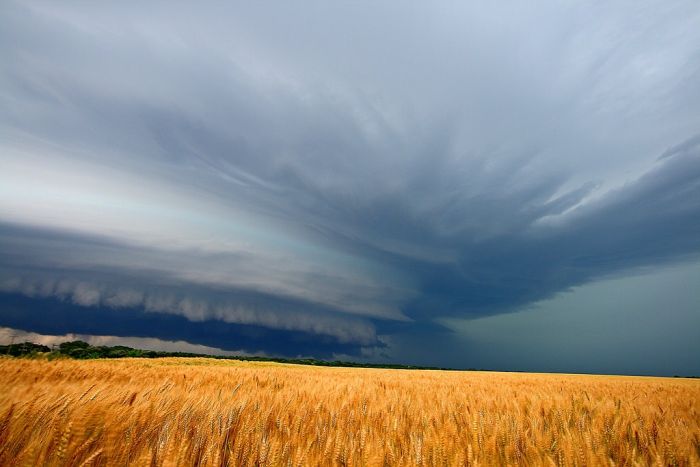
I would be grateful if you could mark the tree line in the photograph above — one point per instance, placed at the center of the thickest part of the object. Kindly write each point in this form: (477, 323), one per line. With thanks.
(82, 350)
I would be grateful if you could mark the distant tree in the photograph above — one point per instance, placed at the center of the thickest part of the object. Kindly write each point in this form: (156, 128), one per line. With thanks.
(25, 348)
(66, 347)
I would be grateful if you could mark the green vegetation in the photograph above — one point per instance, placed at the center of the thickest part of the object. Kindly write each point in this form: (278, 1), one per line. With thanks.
(84, 351)
(25, 348)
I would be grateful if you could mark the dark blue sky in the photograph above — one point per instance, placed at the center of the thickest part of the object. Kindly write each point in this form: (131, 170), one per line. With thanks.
(480, 185)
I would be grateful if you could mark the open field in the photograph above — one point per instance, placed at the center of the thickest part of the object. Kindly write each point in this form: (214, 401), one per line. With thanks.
(208, 412)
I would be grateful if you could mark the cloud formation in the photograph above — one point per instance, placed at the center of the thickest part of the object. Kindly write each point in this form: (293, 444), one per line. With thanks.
(196, 305)
(327, 173)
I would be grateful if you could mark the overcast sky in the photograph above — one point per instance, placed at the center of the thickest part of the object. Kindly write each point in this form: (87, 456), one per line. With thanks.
(479, 185)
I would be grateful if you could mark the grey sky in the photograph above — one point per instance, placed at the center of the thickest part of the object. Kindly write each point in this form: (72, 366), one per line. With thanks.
(356, 173)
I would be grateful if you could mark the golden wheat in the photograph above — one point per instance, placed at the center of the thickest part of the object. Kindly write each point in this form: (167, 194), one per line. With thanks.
(208, 412)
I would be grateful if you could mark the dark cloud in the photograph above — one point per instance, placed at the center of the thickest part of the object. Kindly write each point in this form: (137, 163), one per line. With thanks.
(543, 248)
(40, 264)
(56, 317)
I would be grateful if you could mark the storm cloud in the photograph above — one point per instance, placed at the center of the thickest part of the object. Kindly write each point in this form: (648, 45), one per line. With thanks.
(332, 178)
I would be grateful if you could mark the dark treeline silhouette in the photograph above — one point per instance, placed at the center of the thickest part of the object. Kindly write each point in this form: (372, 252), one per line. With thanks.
(83, 350)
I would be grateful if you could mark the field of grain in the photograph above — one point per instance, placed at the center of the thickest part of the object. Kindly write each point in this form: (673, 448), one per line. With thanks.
(208, 412)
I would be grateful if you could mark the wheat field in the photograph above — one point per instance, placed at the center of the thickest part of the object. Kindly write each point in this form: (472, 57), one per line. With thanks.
(211, 412)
